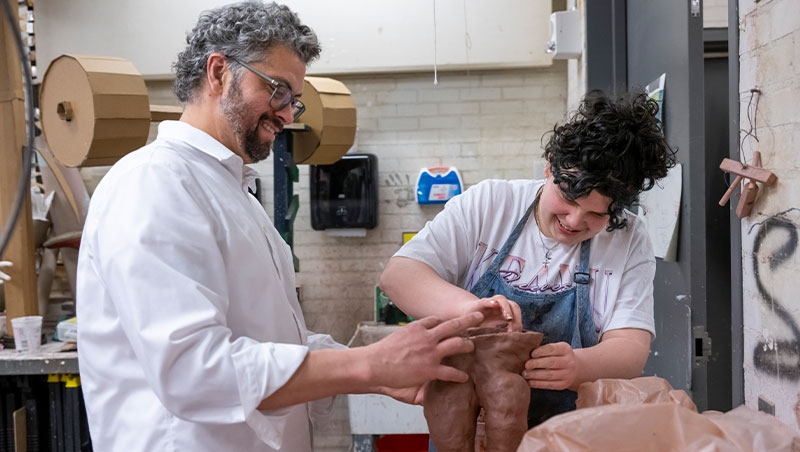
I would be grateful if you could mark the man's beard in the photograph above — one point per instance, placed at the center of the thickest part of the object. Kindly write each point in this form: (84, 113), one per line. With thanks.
(249, 141)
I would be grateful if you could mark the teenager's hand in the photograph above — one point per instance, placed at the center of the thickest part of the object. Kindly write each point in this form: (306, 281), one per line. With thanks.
(552, 366)
(496, 310)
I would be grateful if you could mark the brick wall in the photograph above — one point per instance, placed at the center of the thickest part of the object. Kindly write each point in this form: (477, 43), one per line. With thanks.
(770, 62)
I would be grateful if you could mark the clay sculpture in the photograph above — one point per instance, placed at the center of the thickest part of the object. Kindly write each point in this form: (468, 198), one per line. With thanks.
(496, 384)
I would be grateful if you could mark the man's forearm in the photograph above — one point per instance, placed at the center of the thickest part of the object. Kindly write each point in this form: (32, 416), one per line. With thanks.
(323, 373)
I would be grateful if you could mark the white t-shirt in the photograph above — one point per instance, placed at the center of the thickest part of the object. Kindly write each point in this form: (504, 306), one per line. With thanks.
(462, 241)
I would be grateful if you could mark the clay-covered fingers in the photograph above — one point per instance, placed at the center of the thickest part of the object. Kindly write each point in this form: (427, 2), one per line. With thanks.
(499, 308)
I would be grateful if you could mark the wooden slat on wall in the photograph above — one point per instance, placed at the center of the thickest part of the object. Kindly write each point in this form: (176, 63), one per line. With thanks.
(20, 291)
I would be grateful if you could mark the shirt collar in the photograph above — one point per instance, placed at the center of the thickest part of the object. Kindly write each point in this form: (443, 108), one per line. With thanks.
(207, 144)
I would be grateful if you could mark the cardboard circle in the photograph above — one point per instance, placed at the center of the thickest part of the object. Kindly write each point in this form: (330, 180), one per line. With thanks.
(71, 86)
(94, 109)
(331, 116)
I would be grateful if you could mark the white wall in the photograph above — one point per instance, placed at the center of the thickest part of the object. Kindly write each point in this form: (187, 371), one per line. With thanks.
(357, 35)
(770, 61)
(715, 14)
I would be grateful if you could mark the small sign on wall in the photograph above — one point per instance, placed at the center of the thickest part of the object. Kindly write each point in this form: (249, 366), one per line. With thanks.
(438, 185)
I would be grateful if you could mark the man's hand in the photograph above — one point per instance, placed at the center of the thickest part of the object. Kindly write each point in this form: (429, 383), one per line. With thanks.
(496, 310)
(552, 366)
(413, 355)
(414, 395)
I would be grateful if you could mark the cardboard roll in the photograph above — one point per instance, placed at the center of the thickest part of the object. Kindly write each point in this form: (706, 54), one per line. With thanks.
(331, 115)
(94, 109)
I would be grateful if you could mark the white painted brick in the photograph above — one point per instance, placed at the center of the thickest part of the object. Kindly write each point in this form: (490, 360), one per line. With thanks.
(469, 150)
(504, 78)
(502, 107)
(781, 106)
(775, 60)
(398, 123)
(523, 92)
(366, 136)
(366, 123)
(748, 73)
(796, 56)
(785, 18)
(377, 111)
(457, 80)
(463, 135)
(460, 108)
(761, 23)
(370, 87)
(440, 122)
(746, 6)
(418, 110)
(400, 96)
(439, 95)
(480, 93)
(419, 136)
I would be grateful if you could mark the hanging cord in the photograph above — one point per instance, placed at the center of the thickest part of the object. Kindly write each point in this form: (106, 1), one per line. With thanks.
(435, 55)
(751, 132)
(467, 37)
(752, 122)
(25, 176)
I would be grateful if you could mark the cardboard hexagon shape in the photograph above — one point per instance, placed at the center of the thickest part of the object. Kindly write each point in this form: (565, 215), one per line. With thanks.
(331, 116)
(94, 109)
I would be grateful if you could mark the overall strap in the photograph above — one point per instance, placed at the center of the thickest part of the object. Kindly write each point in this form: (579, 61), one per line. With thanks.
(581, 279)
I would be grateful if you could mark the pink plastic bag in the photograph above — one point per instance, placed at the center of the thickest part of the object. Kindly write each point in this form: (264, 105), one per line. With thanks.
(646, 414)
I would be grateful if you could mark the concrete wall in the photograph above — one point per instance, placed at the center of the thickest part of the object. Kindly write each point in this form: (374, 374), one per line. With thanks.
(770, 62)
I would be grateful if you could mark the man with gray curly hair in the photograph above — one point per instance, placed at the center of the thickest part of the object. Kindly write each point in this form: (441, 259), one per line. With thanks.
(191, 336)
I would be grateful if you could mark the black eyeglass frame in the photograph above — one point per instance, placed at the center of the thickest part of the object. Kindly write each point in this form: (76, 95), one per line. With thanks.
(298, 107)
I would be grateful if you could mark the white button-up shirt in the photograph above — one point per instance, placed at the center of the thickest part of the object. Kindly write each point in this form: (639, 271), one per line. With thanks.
(187, 311)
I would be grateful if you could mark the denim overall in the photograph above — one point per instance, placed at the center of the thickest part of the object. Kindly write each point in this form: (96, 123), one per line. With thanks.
(563, 317)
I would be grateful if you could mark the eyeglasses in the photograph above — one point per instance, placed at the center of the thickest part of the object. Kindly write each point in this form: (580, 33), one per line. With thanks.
(281, 94)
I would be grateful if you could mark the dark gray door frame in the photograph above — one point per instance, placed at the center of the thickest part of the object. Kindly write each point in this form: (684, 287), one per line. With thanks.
(606, 46)
(737, 324)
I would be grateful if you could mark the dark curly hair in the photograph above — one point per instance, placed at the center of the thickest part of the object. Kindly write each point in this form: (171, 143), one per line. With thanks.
(245, 31)
(614, 147)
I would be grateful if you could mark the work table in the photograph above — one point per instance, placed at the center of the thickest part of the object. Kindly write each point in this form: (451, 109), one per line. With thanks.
(48, 360)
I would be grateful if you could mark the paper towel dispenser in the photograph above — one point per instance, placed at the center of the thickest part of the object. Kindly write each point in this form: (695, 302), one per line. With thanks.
(345, 194)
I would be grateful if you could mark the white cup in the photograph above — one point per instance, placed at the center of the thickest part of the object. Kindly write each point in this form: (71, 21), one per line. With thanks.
(27, 333)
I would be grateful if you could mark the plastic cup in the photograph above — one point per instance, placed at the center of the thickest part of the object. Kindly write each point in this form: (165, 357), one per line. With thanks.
(27, 333)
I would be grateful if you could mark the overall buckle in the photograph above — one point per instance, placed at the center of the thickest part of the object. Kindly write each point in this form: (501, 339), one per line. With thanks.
(581, 278)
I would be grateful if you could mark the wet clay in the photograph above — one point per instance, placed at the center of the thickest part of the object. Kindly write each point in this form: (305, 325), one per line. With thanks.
(495, 384)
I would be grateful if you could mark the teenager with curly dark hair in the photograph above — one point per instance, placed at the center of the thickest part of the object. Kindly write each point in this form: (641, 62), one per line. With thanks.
(561, 255)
